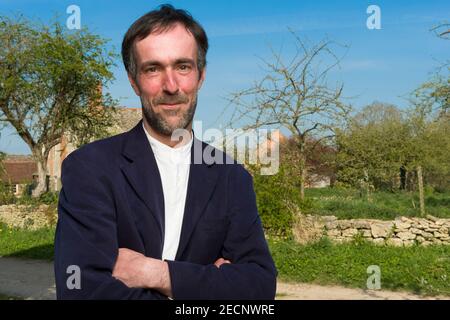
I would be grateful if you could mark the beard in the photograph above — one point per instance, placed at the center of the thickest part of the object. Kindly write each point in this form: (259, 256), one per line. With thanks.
(158, 121)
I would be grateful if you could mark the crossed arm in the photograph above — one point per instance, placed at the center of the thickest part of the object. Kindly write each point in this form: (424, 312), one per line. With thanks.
(138, 271)
(87, 236)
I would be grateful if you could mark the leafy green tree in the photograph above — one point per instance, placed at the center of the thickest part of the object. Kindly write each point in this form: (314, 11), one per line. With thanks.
(430, 142)
(49, 86)
(2, 167)
(374, 147)
(6, 196)
(437, 155)
(383, 146)
(435, 94)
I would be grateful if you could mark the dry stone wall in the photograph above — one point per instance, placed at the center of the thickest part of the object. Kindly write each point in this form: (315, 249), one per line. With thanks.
(28, 217)
(402, 231)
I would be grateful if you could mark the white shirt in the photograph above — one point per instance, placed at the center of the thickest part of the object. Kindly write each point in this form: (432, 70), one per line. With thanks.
(173, 165)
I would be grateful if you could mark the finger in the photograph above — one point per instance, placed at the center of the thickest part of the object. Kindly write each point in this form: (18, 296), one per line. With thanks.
(220, 262)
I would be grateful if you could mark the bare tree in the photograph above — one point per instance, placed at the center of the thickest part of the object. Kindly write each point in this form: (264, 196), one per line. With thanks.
(295, 95)
(442, 30)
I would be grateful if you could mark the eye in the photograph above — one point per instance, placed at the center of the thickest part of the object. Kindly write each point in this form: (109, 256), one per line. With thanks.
(184, 67)
(151, 69)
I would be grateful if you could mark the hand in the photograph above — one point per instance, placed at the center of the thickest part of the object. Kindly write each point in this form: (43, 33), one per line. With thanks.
(138, 271)
(220, 262)
(130, 268)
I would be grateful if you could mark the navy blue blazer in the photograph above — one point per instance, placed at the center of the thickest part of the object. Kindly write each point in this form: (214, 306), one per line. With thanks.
(112, 198)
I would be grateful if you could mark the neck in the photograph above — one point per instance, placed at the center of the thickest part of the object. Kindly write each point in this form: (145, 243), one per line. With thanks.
(167, 140)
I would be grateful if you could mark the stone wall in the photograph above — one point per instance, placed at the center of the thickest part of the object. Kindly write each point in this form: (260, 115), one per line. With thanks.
(28, 217)
(402, 231)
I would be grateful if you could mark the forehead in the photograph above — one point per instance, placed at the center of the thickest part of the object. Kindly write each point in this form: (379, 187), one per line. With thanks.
(172, 44)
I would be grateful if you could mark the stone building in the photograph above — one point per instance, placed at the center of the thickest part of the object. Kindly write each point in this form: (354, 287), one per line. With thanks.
(125, 119)
(18, 173)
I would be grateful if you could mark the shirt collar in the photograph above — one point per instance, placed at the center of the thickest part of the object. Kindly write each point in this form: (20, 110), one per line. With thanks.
(164, 152)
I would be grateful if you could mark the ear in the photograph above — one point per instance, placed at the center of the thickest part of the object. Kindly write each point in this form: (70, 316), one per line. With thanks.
(134, 85)
(202, 78)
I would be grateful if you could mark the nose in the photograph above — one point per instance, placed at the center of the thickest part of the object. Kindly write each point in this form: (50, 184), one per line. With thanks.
(170, 84)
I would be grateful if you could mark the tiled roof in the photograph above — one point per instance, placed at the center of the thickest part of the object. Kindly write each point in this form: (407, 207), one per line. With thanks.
(18, 169)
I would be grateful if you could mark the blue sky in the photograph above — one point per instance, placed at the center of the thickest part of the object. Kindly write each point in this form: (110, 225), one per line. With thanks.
(383, 65)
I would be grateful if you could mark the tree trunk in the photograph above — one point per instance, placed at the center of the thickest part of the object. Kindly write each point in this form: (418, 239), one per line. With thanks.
(367, 185)
(421, 193)
(302, 181)
(402, 178)
(41, 186)
(301, 146)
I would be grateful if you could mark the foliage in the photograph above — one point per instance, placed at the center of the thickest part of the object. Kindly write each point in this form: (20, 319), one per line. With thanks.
(320, 156)
(49, 80)
(277, 198)
(371, 147)
(382, 146)
(436, 93)
(6, 195)
(49, 198)
(436, 155)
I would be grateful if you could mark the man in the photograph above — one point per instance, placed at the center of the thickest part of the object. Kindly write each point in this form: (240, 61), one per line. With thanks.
(138, 217)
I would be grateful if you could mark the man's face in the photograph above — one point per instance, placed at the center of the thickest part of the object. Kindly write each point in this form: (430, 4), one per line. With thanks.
(168, 79)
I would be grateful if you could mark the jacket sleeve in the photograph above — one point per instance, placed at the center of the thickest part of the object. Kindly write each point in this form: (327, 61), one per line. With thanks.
(251, 274)
(86, 237)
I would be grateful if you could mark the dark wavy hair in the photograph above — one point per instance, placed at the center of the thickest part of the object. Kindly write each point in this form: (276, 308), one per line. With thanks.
(161, 20)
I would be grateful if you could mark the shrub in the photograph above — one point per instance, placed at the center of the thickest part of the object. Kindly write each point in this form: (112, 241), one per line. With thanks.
(49, 198)
(277, 200)
(6, 196)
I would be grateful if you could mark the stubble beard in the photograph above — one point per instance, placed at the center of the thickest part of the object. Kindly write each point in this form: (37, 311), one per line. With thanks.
(158, 121)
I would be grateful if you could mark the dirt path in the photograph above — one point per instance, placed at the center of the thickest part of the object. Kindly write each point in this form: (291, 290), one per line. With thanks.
(33, 279)
(28, 279)
(305, 291)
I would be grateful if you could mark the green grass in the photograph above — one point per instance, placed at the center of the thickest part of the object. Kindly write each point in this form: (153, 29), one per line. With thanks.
(422, 270)
(349, 204)
(5, 297)
(26, 244)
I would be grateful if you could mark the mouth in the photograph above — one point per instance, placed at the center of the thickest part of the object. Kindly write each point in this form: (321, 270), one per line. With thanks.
(170, 106)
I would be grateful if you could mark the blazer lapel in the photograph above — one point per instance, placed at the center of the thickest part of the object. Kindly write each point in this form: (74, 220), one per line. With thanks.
(202, 181)
(142, 173)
